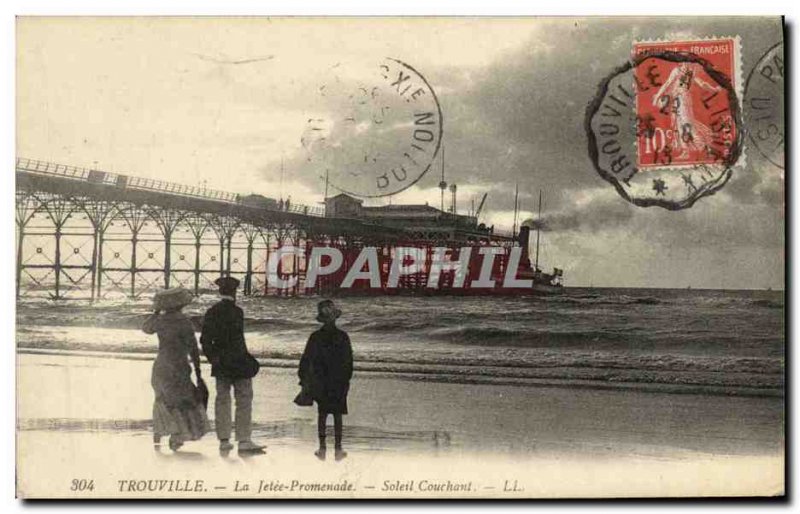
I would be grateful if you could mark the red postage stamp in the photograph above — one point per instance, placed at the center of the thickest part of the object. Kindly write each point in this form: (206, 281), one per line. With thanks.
(683, 103)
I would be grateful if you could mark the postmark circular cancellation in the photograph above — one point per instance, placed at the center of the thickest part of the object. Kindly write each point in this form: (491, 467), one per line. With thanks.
(763, 101)
(377, 128)
(665, 127)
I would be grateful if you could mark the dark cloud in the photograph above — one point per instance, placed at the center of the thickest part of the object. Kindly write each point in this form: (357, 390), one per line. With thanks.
(520, 121)
(534, 99)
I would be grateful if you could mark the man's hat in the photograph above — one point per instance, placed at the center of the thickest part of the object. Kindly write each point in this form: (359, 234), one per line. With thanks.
(227, 283)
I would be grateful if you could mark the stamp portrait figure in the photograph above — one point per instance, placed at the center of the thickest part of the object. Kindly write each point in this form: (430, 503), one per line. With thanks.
(675, 97)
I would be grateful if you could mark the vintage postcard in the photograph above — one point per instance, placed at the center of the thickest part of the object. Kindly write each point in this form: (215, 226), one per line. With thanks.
(400, 258)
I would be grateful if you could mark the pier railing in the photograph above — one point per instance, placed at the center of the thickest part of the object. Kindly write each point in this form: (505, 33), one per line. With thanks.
(148, 184)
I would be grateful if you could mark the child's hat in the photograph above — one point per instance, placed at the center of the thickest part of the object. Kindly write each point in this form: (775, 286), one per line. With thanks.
(327, 311)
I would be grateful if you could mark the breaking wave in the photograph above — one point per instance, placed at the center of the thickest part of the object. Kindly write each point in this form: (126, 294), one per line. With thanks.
(703, 341)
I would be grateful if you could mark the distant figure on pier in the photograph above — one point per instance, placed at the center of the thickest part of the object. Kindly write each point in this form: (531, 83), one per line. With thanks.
(232, 365)
(287, 205)
(280, 204)
(326, 368)
(178, 410)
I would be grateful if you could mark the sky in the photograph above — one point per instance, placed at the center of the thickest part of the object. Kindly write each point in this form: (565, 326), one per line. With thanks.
(224, 103)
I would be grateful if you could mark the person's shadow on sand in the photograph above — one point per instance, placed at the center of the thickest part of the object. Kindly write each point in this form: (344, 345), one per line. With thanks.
(250, 455)
(181, 455)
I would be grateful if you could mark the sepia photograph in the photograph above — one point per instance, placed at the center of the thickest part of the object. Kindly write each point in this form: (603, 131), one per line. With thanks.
(400, 257)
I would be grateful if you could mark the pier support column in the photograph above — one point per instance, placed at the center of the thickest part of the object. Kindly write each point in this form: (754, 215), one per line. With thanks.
(221, 254)
(167, 256)
(93, 269)
(20, 240)
(57, 263)
(197, 243)
(266, 261)
(134, 241)
(229, 238)
(100, 241)
(248, 276)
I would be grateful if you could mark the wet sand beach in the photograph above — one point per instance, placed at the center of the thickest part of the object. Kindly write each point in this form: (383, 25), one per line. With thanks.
(85, 413)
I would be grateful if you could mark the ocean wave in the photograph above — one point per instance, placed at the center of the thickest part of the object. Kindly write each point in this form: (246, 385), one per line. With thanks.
(770, 304)
(627, 336)
(530, 337)
(266, 323)
(132, 317)
(385, 315)
(498, 360)
(396, 325)
(594, 300)
(638, 378)
(707, 301)
(604, 360)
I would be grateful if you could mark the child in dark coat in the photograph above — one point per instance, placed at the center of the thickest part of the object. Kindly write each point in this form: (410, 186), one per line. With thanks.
(325, 370)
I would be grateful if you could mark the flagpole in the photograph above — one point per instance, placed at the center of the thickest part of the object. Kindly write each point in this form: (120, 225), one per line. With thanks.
(516, 202)
(538, 229)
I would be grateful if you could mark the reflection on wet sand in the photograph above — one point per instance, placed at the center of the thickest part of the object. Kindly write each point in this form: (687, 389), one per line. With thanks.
(608, 442)
(280, 433)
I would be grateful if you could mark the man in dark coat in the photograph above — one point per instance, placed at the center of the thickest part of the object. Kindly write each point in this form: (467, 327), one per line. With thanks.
(232, 365)
(326, 368)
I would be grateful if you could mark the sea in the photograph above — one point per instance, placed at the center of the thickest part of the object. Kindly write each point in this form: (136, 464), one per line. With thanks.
(666, 340)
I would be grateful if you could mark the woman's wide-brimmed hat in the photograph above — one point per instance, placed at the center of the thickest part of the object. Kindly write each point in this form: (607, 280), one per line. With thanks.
(173, 298)
(327, 311)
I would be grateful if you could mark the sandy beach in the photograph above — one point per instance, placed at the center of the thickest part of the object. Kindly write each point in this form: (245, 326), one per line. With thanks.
(406, 438)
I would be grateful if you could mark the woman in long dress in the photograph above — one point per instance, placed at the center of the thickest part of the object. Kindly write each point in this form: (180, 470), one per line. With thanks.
(675, 97)
(178, 410)
(326, 368)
